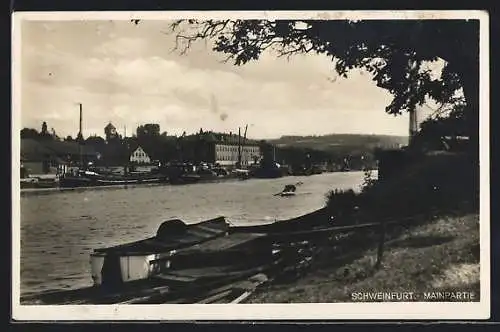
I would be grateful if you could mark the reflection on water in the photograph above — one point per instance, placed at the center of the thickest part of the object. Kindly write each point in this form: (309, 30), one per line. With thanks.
(60, 229)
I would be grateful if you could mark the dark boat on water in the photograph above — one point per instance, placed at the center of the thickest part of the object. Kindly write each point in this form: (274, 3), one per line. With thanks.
(182, 173)
(209, 241)
(267, 173)
(75, 181)
(135, 261)
(190, 263)
(36, 183)
(186, 173)
(28, 181)
(185, 179)
(89, 179)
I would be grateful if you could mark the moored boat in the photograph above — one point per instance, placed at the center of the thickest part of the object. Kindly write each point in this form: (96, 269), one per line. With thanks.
(177, 245)
(289, 190)
(35, 182)
(89, 179)
(70, 181)
(183, 261)
(133, 261)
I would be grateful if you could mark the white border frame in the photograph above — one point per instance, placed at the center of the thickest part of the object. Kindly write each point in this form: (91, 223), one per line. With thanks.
(319, 311)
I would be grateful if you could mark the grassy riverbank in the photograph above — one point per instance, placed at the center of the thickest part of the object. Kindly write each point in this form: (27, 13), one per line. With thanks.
(438, 250)
(438, 256)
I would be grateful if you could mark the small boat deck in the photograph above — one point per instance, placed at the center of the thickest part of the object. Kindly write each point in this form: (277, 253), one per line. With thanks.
(191, 235)
(224, 243)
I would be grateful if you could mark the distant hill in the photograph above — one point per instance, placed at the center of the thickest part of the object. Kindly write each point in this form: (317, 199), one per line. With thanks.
(341, 142)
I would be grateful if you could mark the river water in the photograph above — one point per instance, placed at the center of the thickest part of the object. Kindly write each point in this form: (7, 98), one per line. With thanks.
(60, 229)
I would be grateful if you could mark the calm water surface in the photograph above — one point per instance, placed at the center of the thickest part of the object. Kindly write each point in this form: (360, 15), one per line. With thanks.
(60, 229)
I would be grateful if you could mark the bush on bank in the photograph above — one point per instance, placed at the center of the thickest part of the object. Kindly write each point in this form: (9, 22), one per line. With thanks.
(437, 184)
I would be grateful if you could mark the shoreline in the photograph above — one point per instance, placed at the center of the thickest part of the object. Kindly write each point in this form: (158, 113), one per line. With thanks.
(28, 191)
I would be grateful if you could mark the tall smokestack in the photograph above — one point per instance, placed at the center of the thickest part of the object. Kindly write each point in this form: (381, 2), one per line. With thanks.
(81, 134)
(239, 147)
(413, 124)
(80, 137)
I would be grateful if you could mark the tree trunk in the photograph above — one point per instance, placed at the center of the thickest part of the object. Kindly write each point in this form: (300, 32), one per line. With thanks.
(461, 51)
(470, 84)
(467, 67)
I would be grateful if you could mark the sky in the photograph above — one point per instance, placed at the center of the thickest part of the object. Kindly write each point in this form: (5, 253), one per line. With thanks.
(130, 74)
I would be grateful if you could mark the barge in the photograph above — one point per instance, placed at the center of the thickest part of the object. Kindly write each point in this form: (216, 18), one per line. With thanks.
(92, 179)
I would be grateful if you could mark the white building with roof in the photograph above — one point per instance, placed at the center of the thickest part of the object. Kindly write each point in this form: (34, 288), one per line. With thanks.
(139, 156)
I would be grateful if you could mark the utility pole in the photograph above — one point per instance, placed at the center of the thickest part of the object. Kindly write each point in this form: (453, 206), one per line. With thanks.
(245, 142)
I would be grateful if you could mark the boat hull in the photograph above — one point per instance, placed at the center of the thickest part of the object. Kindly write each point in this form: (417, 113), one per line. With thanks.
(131, 267)
(185, 179)
(141, 259)
(96, 265)
(74, 182)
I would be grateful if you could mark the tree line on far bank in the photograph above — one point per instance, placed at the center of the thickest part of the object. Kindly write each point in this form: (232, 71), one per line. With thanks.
(116, 149)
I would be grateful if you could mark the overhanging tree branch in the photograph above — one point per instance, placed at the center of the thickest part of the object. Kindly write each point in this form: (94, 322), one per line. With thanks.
(393, 52)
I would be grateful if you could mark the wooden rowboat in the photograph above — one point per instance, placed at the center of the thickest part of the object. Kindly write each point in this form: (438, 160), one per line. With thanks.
(132, 261)
(177, 244)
